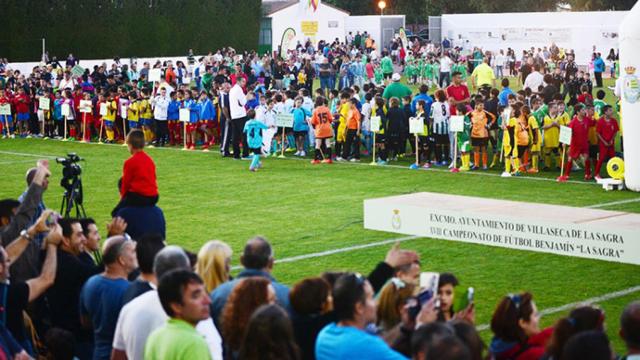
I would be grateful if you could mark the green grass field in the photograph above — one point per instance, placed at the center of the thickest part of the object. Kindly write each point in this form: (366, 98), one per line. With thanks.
(304, 209)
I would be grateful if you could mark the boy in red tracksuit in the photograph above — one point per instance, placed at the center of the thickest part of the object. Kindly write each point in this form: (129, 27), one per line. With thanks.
(139, 185)
(77, 96)
(21, 104)
(607, 129)
(579, 148)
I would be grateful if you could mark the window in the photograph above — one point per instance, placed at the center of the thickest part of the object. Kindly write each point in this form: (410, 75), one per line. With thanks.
(265, 31)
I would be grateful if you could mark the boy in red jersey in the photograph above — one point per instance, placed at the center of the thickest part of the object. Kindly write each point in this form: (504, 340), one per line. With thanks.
(139, 186)
(607, 129)
(579, 148)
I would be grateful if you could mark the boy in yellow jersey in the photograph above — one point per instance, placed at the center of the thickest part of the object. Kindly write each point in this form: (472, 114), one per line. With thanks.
(146, 116)
(534, 139)
(509, 142)
(110, 118)
(133, 113)
(343, 114)
(551, 126)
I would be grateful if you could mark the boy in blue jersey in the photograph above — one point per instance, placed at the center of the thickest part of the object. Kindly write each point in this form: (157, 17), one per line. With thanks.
(207, 116)
(253, 128)
(194, 114)
(300, 125)
(173, 115)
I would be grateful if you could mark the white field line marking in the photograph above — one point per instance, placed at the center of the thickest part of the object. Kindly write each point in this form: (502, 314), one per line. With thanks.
(337, 251)
(590, 301)
(27, 154)
(477, 173)
(620, 202)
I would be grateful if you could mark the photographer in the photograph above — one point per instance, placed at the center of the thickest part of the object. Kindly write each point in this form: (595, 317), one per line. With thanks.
(15, 216)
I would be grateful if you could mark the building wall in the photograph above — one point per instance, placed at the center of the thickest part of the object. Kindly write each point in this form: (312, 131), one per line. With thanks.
(293, 16)
(570, 30)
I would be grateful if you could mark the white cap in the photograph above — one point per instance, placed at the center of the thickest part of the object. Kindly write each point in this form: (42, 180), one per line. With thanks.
(395, 77)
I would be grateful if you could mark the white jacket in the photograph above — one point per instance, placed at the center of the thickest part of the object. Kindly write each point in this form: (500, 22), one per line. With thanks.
(160, 107)
(237, 100)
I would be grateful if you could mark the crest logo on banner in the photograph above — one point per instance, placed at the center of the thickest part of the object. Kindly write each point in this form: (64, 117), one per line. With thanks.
(396, 224)
(631, 89)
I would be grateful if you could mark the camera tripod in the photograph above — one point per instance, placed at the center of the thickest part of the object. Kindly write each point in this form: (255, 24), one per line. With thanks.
(72, 197)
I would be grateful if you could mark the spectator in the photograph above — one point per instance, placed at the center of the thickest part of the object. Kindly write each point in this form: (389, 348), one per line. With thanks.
(72, 272)
(447, 283)
(257, 259)
(101, 297)
(584, 318)
(426, 336)
(144, 314)
(60, 345)
(214, 264)
(630, 329)
(466, 332)
(15, 216)
(18, 294)
(311, 305)
(184, 299)
(391, 299)
(269, 336)
(246, 297)
(237, 101)
(146, 250)
(515, 325)
(589, 345)
(355, 309)
(91, 233)
(28, 266)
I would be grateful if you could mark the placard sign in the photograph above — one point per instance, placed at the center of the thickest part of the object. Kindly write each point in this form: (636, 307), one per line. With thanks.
(375, 124)
(456, 123)
(65, 110)
(416, 125)
(565, 135)
(77, 71)
(103, 109)
(284, 120)
(155, 75)
(5, 109)
(185, 115)
(85, 106)
(44, 103)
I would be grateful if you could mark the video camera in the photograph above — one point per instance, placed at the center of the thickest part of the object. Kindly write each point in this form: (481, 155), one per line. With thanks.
(71, 167)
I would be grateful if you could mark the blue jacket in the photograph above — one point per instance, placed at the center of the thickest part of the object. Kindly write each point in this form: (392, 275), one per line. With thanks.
(427, 106)
(598, 65)
(194, 109)
(503, 97)
(220, 295)
(207, 111)
(173, 111)
(299, 119)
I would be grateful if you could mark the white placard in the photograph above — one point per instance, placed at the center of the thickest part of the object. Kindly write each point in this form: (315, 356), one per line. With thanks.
(44, 103)
(66, 110)
(565, 135)
(86, 106)
(560, 230)
(284, 120)
(185, 115)
(416, 125)
(186, 80)
(5, 109)
(155, 75)
(375, 124)
(456, 123)
(506, 115)
(103, 109)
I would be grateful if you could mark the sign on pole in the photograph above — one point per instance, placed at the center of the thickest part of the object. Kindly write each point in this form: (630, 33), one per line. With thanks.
(5, 109)
(85, 106)
(416, 125)
(284, 120)
(155, 75)
(44, 103)
(77, 71)
(375, 124)
(456, 123)
(185, 115)
(565, 135)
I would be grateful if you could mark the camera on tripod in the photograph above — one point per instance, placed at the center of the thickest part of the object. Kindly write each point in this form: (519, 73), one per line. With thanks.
(72, 183)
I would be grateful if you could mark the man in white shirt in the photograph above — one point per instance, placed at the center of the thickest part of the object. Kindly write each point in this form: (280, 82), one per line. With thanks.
(67, 82)
(142, 315)
(160, 107)
(445, 70)
(630, 330)
(237, 101)
(534, 80)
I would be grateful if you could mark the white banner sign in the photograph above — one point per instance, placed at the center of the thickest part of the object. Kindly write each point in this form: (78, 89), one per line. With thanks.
(562, 230)
(416, 126)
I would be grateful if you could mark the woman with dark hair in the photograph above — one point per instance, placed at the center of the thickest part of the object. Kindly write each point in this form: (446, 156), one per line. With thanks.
(466, 332)
(589, 345)
(311, 303)
(515, 325)
(246, 297)
(269, 336)
(446, 293)
(584, 318)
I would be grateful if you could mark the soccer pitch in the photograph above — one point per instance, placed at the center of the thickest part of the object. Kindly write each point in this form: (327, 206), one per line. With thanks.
(305, 209)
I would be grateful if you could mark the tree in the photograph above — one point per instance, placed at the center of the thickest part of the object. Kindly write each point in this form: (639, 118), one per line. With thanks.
(593, 5)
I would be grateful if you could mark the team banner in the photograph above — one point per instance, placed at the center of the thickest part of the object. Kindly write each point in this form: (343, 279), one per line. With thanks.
(288, 40)
(561, 230)
(403, 37)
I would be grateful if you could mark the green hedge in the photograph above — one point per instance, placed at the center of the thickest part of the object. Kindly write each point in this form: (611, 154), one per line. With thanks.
(95, 29)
